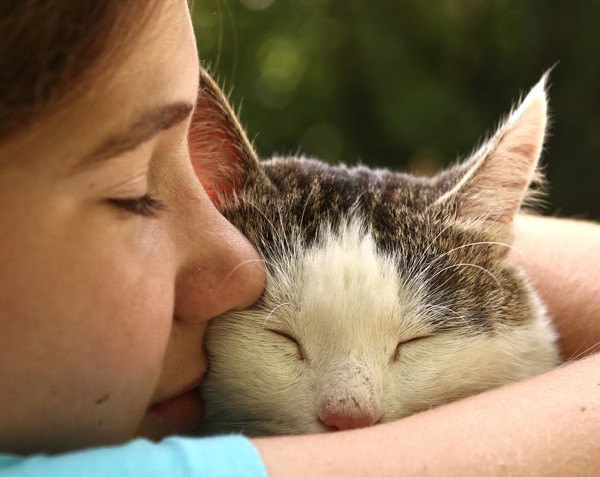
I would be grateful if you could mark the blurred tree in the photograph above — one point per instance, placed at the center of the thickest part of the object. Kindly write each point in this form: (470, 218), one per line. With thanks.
(410, 84)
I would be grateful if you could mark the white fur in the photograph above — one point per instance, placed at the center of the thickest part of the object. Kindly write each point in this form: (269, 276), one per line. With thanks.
(349, 306)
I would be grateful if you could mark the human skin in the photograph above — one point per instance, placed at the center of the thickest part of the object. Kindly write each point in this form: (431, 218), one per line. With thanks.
(102, 310)
(561, 257)
(544, 426)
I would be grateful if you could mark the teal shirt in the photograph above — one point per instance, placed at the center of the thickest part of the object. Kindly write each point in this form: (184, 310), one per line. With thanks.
(224, 456)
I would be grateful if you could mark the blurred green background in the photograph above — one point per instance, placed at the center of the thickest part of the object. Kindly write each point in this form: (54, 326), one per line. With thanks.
(412, 85)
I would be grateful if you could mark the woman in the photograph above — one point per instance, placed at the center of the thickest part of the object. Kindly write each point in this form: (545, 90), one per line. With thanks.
(113, 259)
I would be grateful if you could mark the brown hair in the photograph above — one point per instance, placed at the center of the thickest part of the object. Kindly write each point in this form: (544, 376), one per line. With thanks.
(49, 49)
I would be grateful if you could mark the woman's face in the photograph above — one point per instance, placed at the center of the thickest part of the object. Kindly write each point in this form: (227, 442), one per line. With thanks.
(105, 296)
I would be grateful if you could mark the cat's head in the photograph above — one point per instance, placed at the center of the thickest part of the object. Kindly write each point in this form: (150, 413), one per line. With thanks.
(386, 294)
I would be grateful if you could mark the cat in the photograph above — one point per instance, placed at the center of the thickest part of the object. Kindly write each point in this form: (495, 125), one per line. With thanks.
(386, 294)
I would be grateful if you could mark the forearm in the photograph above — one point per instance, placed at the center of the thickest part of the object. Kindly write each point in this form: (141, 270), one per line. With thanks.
(562, 259)
(545, 426)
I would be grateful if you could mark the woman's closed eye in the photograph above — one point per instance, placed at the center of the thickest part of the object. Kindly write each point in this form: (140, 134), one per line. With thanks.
(146, 205)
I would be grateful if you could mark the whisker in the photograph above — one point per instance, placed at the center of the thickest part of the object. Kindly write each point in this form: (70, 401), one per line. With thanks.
(424, 254)
(276, 232)
(306, 205)
(273, 311)
(583, 351)
(283, 228)
(432, 306)
(238, 266)
(485, 270)
(447, 308)
(241, 264)
(439, 257)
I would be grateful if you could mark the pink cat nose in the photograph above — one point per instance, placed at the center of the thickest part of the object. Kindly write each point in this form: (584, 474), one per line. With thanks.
(341, 422)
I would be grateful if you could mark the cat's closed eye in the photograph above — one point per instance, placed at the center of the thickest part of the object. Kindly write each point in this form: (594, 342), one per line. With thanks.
(398, 351)
(287, 336)
(386, 294)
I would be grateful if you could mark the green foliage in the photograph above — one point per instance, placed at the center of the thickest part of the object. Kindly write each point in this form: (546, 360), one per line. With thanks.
(410, 84)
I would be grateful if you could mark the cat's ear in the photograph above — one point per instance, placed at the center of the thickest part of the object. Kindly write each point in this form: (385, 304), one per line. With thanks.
(221, 154)
(493, 183)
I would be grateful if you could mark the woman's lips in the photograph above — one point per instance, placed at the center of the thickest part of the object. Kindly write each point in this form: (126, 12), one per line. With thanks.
(184, 410)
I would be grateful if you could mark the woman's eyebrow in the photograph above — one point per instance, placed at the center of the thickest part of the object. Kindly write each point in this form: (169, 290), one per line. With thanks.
(148, 125)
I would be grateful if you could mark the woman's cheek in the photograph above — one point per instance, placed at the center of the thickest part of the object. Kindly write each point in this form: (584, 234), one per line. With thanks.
(144, 310)
(136, 319)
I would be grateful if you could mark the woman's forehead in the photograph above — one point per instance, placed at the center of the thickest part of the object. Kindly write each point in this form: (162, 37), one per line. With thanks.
(161, 69)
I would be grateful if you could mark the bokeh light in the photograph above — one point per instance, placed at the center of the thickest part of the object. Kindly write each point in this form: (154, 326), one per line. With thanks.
(410, 85)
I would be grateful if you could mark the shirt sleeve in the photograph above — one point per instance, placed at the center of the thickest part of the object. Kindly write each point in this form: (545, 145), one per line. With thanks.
(223, 456)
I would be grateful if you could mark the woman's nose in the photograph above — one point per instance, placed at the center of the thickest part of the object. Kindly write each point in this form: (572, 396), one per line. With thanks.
(222, 270)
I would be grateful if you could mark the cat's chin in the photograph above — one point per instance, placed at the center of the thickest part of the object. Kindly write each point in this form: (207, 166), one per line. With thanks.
(386, 294)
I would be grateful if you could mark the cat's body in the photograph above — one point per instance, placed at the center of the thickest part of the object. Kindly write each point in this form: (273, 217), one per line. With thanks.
(386, 294)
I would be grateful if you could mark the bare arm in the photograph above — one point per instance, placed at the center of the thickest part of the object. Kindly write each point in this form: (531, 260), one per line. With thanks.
(545, 426)
(562, 259)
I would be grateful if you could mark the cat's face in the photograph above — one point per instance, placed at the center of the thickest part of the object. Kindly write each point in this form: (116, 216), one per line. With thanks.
(350, 334)
(386, 294)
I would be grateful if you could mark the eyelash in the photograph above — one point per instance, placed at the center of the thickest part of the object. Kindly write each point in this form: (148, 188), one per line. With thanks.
(301, 354)
(146, 205)
(398, 349)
